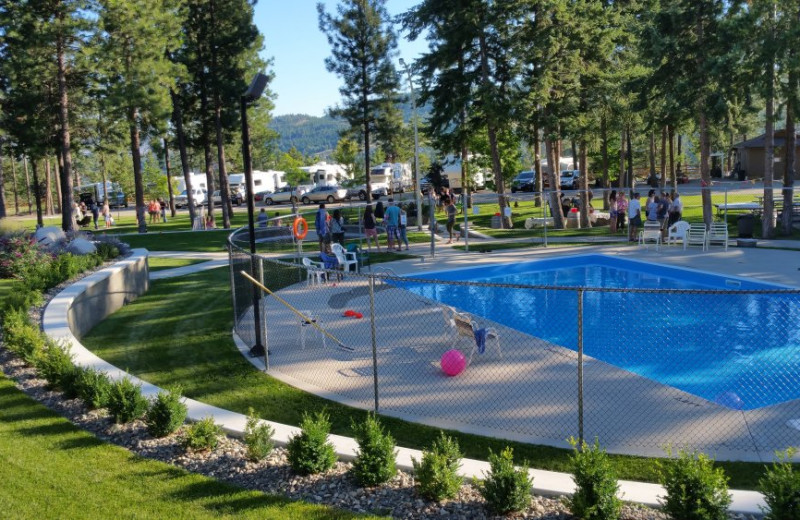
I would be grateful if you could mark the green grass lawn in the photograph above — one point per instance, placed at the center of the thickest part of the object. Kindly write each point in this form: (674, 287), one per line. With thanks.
(160, 264)
(179, 334)
(52, 469)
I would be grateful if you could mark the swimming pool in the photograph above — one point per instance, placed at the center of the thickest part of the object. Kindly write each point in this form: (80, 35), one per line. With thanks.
(741, 350)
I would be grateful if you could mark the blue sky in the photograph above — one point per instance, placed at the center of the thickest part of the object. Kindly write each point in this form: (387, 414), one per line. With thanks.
(293, 40)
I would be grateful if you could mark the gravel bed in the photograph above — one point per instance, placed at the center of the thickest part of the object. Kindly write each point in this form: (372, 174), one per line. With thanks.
(335, 488)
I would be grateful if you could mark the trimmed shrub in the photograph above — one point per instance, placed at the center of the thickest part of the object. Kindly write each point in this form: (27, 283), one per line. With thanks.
(166, 413)
(94, 388)
(309, 451)
(695, 489)
(54, 364)
(375, 462)
(781, 488)
(595, 496)
(437, 472)
(202, 435)
(125, 401)
(20, 297)
(106, 250)
(21, 336)
(258, 437)
(506, 488)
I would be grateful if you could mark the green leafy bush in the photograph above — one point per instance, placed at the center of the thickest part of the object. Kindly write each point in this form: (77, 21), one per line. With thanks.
(375, 462)
(695, 489)
(595, 496)
(781, 488)
(258, 437)
(437, 472)
(166, 413)
(506, 488)
(20, 254)
(125, 401)
(54, 364)
(20, 296)
(94, 388)
(309, 451)
(202, 435)
(106, 250)
(21, 336)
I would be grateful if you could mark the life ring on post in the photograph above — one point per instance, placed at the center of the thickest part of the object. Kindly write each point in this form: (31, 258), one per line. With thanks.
(300, 228)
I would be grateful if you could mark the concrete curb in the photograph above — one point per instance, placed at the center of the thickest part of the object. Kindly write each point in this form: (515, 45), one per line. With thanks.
(547, 483)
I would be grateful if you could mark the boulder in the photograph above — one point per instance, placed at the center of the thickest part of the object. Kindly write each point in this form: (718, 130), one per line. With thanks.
(81, 246)
(47, 236)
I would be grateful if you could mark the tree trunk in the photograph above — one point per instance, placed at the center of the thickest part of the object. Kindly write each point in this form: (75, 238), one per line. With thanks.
(537, 166)
(3, 213)
(651, 156)
(662, 182)
(705, 173)
(604, 153)
(168, 167)
(629, 156)
(48, 189)
(365, 120)
(672, 179)
(177, 120)
(37, 194)
(138, 182)
(767, 226)
(27, 183)
(67, 220)
(16, 189)
(679, 158)
(57, 168)
(585, 221)
(555, 190)
(788, 174)
(223, 174)
(574, 155)
(622, 180)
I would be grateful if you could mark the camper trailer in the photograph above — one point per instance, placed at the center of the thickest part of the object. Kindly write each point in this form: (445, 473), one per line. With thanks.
(270, 180)
(324, 174)
(197, 181)
(110, 193)
(395, 175)
(477, 175)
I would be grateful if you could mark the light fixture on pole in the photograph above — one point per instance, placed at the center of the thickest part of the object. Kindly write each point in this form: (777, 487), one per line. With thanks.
(254, 91)
(416, 146)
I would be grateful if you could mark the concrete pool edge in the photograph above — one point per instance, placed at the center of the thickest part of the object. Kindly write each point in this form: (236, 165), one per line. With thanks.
(55, 325)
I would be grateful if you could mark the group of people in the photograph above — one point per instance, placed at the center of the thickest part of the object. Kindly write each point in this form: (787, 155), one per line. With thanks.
(85, 212)
(263, 219)
(662, 208)
(157, 209)
(330, 228)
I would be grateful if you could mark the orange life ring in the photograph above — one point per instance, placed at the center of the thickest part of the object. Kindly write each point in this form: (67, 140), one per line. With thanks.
(300, 228)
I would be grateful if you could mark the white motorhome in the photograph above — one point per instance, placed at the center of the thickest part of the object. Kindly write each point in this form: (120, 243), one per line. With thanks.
(452, 170)
(270, 180)
(324, 174)
(111, 193)
(396, 175)
(564, 163)
(197, 180)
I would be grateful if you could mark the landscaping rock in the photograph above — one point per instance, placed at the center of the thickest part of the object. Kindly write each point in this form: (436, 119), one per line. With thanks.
(81, 246)
(49, 235)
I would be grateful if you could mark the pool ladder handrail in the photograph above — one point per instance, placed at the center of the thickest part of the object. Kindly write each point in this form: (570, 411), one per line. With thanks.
(384, 272)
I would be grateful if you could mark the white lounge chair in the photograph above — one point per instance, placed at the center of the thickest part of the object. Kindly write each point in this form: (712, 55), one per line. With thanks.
(466, 330)
(696, 236)
(315, 271)
(678, 231)
(650, 233)
(718, 233)
(346, 259)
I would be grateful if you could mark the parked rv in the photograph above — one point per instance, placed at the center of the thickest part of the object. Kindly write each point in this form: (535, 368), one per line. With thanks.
(111, 193)
(270, 180)
(396, 176)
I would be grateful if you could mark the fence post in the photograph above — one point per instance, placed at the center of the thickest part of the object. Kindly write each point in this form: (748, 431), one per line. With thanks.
(580, 365)
(545, 205)
(374, 344)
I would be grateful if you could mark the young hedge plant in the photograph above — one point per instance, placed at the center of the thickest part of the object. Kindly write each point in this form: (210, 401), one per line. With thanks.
(309, 451)
(166, 413)
(376, 459)
(125, 401)
(595, 496)
(781, 488)
(202, 435)
(506, 489)
(21, 336)
(258, 437)
(54, 364)
(94, 388)
(437, 472)
(695, 489)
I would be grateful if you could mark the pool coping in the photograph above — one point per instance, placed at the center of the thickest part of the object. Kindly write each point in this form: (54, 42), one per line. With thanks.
(546, 483)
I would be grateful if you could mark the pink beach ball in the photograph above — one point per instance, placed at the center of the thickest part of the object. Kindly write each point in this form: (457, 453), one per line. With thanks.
(453, 362)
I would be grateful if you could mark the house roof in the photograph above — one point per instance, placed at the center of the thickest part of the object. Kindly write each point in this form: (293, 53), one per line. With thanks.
(758, 142)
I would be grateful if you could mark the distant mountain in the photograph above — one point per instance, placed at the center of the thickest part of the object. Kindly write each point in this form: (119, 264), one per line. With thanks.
(309, 134)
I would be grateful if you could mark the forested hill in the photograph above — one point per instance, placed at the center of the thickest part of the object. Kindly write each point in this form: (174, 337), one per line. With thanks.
(309, 134)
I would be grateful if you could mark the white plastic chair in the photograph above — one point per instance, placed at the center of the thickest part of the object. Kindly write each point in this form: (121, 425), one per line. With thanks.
(651, 232)
(346, 259)
(718, 232)
(464, 327)
(696, 236)
(315, 273)
(309, 318)
(677, 231)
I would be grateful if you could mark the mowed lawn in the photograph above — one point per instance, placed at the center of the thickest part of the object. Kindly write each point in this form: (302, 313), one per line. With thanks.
(51, 469)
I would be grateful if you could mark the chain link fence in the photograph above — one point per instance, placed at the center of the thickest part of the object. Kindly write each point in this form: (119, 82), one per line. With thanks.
(713, 369)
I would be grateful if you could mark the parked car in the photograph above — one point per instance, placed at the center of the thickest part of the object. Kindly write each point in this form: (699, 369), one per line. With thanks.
(199, 196)
(285, 194)
(117, 199)
(357, 192)
(259, 197)
(570, 179)
(525, 181)
(236, 198)
(325, 194)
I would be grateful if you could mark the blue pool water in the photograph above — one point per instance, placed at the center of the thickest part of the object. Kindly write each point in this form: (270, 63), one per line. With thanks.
(739, 350)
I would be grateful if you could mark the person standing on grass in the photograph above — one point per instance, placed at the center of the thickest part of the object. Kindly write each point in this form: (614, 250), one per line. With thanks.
(612, 211)
(370, 228)
(321, 226)
(675, 209)
(337, 227)
(451, 212)
(402, 230)
(392, 220)
(107, 215)
(634, 216)
(163, 205)
(262, 218)
(622, 209)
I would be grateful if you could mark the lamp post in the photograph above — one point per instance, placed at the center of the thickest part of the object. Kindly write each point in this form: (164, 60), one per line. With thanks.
(416, 146)
(254, 91)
